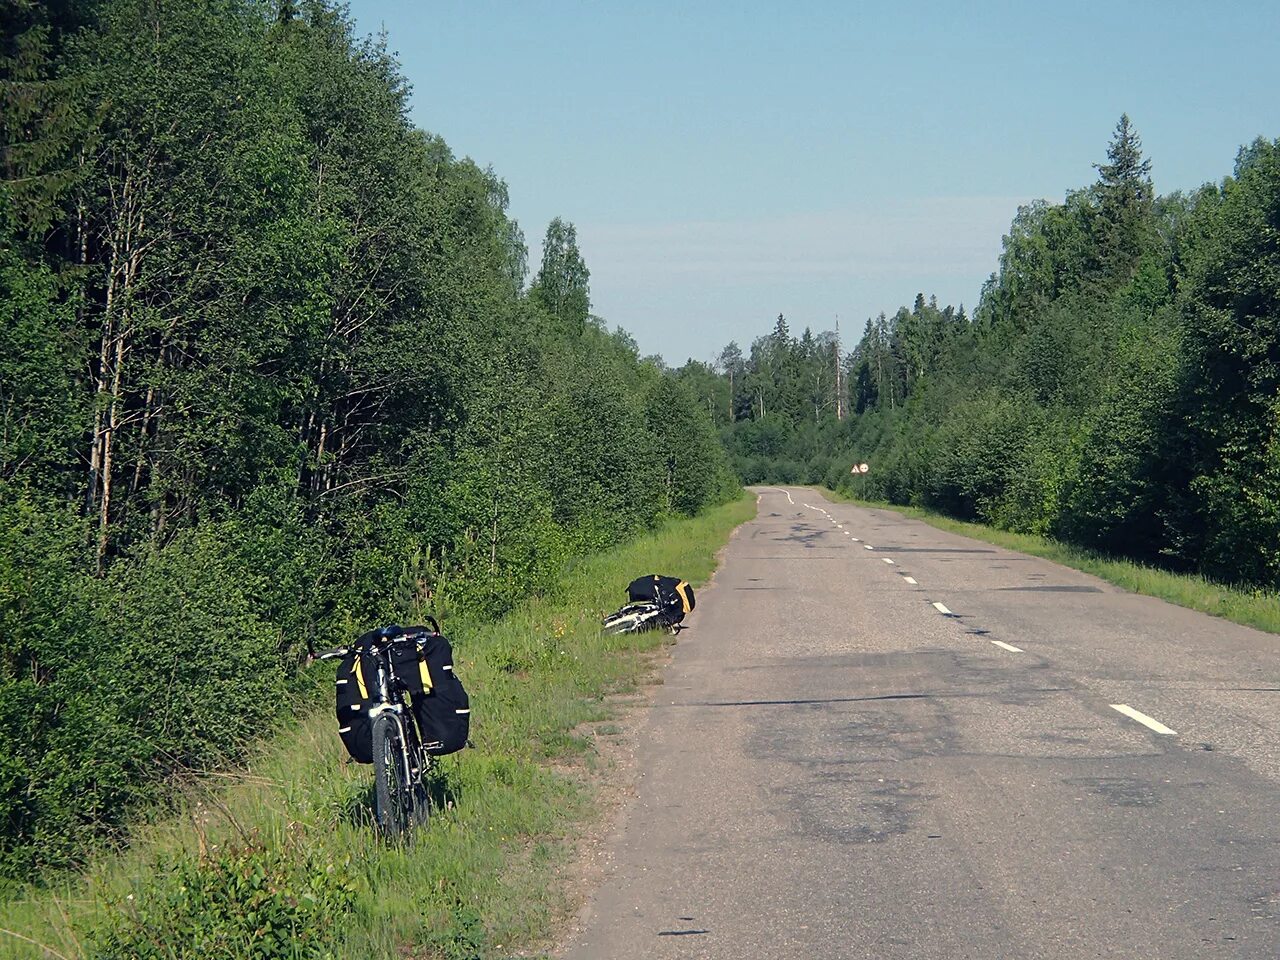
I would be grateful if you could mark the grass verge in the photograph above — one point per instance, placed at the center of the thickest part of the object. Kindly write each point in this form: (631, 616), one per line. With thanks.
(279, 859)
(1250, 608)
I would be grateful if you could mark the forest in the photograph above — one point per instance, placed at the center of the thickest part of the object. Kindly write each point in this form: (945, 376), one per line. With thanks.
(273, 369)
(1117, 386)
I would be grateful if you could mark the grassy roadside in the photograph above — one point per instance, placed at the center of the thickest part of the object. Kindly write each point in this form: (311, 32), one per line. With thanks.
(279, 860)
(1251, 608)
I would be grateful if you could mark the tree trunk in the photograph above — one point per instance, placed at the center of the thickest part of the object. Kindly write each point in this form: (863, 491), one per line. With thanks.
(104, 359)
(123, 268)
(140, 461)
(108, 439)
(493, 543)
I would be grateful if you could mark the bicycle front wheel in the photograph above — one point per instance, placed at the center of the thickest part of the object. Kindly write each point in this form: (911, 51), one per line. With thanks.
(630, 620)
(393, 794)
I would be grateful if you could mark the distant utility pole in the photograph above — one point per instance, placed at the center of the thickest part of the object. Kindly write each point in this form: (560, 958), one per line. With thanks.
(839, 383)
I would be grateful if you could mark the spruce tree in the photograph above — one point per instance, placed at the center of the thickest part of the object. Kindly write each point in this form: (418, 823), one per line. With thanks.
(1124, 204)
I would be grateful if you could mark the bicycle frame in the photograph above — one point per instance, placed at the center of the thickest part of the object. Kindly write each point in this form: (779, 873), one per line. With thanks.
(391, 700)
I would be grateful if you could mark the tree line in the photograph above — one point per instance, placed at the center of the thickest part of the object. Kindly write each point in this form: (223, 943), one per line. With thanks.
(271, 371)
(1117, 386)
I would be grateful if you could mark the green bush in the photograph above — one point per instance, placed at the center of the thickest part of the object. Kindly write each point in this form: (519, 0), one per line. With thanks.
(285, 902)
(186, 665)
(46, 710)
(109, 686)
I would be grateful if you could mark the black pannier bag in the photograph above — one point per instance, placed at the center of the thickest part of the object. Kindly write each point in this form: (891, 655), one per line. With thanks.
(355, 689)
(440, 703)
(675, 595)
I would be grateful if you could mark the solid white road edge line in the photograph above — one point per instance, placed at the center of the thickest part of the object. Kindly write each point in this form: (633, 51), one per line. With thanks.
(943, 610)
(1143, 719)
(1007, 646)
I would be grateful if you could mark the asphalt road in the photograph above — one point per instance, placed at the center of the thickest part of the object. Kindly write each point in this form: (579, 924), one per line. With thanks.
(882, 740)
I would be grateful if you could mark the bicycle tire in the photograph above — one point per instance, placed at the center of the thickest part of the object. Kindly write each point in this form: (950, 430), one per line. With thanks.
(393, 802)
(632, 621)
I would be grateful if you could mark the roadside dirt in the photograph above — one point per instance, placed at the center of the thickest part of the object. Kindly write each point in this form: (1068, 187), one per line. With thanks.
(612, 775)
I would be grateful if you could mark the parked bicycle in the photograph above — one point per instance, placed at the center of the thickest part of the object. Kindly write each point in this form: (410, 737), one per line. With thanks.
(399, 707)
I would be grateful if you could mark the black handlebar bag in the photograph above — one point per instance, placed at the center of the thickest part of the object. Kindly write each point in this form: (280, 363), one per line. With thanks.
(440, 703)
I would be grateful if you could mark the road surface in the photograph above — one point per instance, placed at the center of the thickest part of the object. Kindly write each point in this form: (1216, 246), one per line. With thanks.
(881, 740)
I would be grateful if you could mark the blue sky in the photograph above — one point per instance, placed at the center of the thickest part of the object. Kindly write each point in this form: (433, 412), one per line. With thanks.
(726, 162)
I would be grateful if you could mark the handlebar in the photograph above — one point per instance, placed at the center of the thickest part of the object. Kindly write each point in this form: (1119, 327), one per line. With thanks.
(398, 631)
(392, 634)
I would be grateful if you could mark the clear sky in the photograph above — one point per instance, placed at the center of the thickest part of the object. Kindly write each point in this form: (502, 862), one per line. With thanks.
(725, 162)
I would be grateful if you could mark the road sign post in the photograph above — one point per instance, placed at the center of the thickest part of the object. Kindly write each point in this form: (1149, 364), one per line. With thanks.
(859, 471)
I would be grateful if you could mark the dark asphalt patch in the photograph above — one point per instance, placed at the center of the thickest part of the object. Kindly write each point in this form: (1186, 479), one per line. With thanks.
(1119, 791)
(824, 557)
(795, 703)
(936, 550)
(1050, 588)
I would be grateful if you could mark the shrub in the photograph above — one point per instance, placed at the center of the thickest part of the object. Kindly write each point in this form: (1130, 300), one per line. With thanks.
(287, 902)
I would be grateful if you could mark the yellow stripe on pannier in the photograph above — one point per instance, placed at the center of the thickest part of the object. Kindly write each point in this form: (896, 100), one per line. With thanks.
(426, 674)
(684, 597)
(364, 690)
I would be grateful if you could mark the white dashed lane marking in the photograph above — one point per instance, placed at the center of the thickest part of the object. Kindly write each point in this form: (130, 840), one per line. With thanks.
(867, 546)
(1007, 646)
(886, 560)
(943, 610)
(911, 580)
(1143, 719)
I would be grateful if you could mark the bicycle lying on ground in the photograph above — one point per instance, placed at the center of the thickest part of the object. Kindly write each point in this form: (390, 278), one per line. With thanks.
(655, 602)
(639, 617)
(401, 763)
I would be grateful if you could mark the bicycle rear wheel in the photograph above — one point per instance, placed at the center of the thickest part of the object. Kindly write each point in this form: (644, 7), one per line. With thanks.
(393, 794)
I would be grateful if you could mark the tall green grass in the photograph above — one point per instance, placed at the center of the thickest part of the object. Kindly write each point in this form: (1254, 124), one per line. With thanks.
(1251, 608)
(279, 859)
